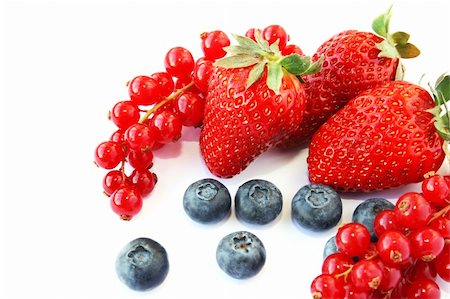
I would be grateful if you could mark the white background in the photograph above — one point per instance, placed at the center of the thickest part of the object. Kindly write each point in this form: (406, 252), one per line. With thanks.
(64, 66)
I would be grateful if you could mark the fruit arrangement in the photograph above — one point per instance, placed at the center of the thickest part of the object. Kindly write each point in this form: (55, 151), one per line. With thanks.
(366, 130)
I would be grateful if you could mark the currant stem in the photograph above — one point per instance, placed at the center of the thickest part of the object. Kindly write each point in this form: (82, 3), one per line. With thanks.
(345, 273)
(439, 213)
(171, 97)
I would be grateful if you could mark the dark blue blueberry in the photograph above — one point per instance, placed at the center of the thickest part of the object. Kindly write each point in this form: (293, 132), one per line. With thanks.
(366, 212)
(207, 201)
(330, 247)
(241, 254)
(142, 264)
(316, 207)
(258, 202)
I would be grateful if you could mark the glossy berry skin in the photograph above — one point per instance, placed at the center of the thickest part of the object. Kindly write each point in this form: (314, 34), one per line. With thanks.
(366, 212)
(191, 108)
(168, 126)
(142, 264)
(426, 243)
(394, 248)
(241, 254)
(366, 275)
(139, 159)
(327, 286)
(124, 114)
(108, 154)
(337, 263)
(436, 190)
(292, 49)
(258, 202)
(144, 90)
(385, 221)
(212, 44)
(316, 207)
(179, 62)
(381, 139)
(140, 137)
(412, 210)
(275, 33)
(442, 263)
(202, 73)
(353, 239)
(126, 202)
(143, 180)
(241, 123)
(424, 288)
(112, 181)
(165, 82)
(351, 65)
(207, 201)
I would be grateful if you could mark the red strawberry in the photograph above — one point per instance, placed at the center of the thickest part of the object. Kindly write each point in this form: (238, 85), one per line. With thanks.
(383, 138)
(253, 102)
(353, 62)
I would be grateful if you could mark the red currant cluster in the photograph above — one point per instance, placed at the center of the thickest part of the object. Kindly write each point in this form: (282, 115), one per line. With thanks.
(159, 106)
(413, 247)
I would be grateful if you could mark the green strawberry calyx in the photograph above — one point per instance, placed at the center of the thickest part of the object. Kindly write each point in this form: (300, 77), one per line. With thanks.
(394, 45)
(441, 112)
(260, 55)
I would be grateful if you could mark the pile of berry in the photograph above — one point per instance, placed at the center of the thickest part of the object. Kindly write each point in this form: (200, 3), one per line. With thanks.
(412, 247)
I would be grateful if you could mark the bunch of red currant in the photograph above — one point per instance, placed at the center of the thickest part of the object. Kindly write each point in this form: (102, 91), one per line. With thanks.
(159, 106)
(413, 247)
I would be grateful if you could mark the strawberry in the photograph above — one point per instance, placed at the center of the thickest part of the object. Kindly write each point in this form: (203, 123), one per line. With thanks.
(383, 138)
(254, 100)
(353, 62)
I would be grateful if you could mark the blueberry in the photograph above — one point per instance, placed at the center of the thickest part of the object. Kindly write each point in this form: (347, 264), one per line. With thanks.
(142, 264)
(330, 247)
(366, 212)
(258, 202)
(316, 207)
(241, 254)
(207, 201)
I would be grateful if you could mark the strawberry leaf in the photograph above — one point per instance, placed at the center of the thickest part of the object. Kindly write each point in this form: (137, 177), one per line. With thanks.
(443, 86)
(262, 42)
(247, 43)
(314, 67)
(295, 64)
(237, 61)
(400, 37)
(239, 50)
(274, 76)
(381, 23)
(387, 50)
(407, 50)
(255, 73)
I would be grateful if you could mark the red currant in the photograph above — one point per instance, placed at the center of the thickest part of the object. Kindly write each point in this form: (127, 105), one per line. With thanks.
(251, 33)
(394, 248)
(165, 82)
(144, 90)
(385, 221)
(442, 225)
(391, 276)
(292, 49)
(112, 181)
(337, 263)
(168, 126)
(327, 286)
(140, 159)
(191, 109)
(412, 210)
(426, 243)
(213, 43)
(442, 263)
(351, 292)
(118, 136)
(436, 190)
(366, 275)
(140, 137)
(108, 154)
(124, 114)
(126, 202)
(143, 180)
(353, 239)
(202, 73)
(424, 288)
(273, 33)
(179, 62)
(422, 269)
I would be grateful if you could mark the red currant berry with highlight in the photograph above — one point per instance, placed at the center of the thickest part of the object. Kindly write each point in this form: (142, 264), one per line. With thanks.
(202, 72)
(143, 180)
(213, 43)
(327, 286)
(412, 210)
(144, 90)
(436, 190)
(442, 225)
(351, 292)
(292, 49)
(140, 159)
(337, 263)
(112, 181)
(424, 288)
(191, 108)
(273, 33)
(251, 33)
(165, 81)
(124, 114)
(422, 269)
(353, 239)
(442, 263)
(118, 136)
(168, 126)
(426, 243)
(391, 276)
(126, 202)
(385, 221)
(108, 154)
(140, 137)
(366, 275)
(394, 248)
(179, 62)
